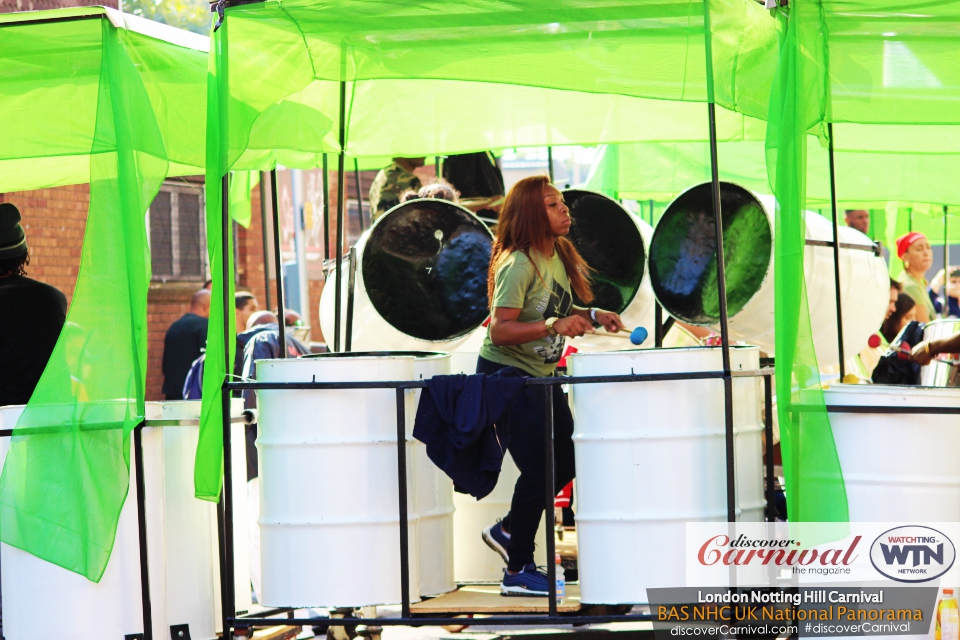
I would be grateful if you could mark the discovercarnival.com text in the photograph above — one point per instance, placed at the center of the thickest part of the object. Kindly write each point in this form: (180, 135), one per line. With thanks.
(729, 630)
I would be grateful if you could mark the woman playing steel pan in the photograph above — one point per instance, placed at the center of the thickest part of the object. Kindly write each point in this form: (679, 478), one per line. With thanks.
(534, 272)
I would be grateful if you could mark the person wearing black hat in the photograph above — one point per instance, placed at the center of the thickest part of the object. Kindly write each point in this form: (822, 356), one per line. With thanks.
(31, 314)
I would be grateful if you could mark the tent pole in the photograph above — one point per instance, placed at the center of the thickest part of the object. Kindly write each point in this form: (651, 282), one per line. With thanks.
(278, 264)
(338, 292)
(266, 242)
(724, 332)
(147, 607)
(356, 176)
(946, 266)
(229, 598)
(326, 209)
(836, 249)
(550, 171)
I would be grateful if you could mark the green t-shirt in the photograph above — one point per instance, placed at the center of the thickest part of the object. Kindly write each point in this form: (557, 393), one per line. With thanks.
(918, 291)
(547, 295)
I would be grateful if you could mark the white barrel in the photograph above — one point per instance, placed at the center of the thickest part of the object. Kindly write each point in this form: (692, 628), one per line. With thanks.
(421, 280)
(614, 243)
(42, 601)
(434, 498)
(898, 467)
(651, 456)
(683, 271)
(329, 518)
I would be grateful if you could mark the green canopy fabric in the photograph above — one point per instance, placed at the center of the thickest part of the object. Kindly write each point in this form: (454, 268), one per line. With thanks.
(91, 95)
(434, 78)
(865, 179)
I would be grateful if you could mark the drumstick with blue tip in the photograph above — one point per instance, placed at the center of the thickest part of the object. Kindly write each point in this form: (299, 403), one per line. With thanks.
(637, 336)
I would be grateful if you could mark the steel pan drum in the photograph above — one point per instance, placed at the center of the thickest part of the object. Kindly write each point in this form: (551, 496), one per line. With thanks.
(944, 370)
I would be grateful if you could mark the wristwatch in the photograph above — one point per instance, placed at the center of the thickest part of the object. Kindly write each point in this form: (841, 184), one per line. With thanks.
(549, 323)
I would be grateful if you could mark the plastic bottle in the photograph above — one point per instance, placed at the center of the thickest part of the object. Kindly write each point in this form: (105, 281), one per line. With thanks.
(562, 582)
(948, 617)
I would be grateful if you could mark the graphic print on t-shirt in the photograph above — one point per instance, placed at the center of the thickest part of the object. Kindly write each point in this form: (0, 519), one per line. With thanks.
(560, 304)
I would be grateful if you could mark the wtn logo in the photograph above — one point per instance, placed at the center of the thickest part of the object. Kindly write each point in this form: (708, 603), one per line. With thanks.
(897, 554)
(912, 554)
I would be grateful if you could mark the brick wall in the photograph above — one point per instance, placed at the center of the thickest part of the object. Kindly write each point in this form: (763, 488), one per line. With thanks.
(166, 302)
(54, 220)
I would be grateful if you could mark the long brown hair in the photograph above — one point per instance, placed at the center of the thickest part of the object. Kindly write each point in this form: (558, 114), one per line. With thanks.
(523, 225)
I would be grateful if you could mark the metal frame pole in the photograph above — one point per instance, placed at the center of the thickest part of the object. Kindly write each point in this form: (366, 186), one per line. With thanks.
(657, 325)
(404, 521)
(356, 176)
(266, 242)
(351, 283)
(338, 292)
(226, 586)
(550, 494)
(724, 332)
(768, 437)
(550, 163)
(142, 531)
(946, 266)
(326, 208)
(278, 264)
(836, 249)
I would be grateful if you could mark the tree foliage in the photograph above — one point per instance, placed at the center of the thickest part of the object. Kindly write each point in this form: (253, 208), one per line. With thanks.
(192, 15)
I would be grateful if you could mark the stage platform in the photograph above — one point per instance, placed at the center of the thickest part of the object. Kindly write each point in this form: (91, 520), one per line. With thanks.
(486, 599)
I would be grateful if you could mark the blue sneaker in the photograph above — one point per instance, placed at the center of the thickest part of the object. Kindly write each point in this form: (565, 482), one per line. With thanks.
(497, 539)
(529, 582)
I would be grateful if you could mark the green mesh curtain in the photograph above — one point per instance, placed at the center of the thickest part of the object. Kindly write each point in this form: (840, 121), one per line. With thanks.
(815, 489)
(84, 100)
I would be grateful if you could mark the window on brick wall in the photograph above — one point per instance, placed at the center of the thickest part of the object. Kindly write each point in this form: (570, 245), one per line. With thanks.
(177, 237)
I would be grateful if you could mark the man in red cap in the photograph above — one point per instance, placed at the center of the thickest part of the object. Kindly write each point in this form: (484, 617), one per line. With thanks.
(915, 251)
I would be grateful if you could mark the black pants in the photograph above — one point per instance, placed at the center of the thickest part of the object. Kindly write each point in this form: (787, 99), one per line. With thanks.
(526, 422)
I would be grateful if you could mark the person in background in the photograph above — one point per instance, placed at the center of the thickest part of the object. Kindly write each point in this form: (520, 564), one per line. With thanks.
(953, 297)
(246, 305)
(183, 343)
(441, 190)
(917, 256)
(858, 219)
(392, 181)
(866, 361)
(31, 314)
(906, 312)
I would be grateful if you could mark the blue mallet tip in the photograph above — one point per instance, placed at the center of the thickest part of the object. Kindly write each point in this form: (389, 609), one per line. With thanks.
(638, 335)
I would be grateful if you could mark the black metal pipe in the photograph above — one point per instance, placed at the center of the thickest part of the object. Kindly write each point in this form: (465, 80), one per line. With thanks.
(338, 291)
(550, 163)
(836, 249)
(946, 266)
(221, 542)
(552, 381)
(436, 166)
(278, 262)
(657, 325)
(263, 228)
(326, 208)
(356, 177)
(351, 281)
(768, 446)
(404, 523)
(227, 588)
(550, 493)
(142, 531)
(408, 621)
(724, 332)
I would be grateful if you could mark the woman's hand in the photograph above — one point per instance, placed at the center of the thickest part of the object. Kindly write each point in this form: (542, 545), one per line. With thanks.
(610, 321)
(573, 326)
